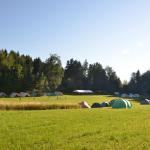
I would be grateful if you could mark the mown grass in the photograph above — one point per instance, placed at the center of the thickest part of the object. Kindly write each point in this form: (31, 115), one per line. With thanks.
(76, 129)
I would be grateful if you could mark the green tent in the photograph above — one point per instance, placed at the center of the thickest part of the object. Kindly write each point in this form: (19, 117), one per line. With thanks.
(121, 103)
(112, 101)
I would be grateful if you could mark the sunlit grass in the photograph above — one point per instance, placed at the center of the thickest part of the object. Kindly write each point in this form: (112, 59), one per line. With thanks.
(66, 99)
(75, 129)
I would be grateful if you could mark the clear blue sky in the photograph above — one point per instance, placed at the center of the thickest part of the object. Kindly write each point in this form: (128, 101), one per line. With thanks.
(112, 32)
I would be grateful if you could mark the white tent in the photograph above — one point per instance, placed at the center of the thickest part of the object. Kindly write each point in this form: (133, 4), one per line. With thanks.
(136, 96)
(58, 93)
(131, 95)
(116, 93)
(2, 94)
(14, 94)
(24, 94)
(83, 91)
(124, 95)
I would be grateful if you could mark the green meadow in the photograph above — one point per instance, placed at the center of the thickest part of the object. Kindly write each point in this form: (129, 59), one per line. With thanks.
(66, 99)
(74, 129)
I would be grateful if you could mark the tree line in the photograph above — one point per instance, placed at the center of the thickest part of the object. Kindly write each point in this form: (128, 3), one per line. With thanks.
(23, 73)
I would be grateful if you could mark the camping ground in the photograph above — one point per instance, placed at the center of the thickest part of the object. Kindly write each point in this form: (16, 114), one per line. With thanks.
(82, 129)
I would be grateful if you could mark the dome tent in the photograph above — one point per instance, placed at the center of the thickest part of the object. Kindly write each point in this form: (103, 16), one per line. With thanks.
(105, 104)
(96, 105)
(84, 104)
(145, 102)
(121, 103)
(112, 101)
(2, 94)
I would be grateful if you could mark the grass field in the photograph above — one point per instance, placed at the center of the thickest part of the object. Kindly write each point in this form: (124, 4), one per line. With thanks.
(77, 129)
(66, 99)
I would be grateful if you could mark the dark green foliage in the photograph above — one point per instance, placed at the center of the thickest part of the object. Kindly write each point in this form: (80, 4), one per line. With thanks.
(144, 83)
(73, 76)
(134, 84)
(53, 72)
(22, 73)
(93, 76)
(114, 83)
(138, 84)
(97, 77)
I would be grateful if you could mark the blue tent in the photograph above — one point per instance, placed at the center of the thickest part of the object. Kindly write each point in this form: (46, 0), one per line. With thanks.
(145, 102)
(96, 105)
